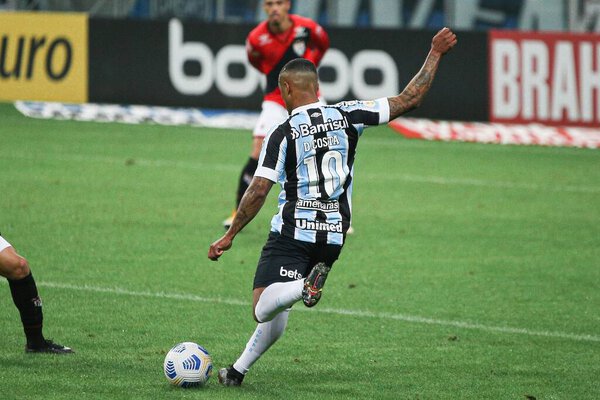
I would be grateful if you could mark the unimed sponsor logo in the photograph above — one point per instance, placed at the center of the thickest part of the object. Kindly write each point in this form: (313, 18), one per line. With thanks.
(43, 57)
(551, 78)
(319, 225)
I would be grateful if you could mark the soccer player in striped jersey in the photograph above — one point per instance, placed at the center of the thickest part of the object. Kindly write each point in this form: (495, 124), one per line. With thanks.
(25, 296)
(311, 155)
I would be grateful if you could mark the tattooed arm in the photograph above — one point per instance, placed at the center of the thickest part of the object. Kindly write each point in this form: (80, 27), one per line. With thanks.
(251, 203)
(413, 94)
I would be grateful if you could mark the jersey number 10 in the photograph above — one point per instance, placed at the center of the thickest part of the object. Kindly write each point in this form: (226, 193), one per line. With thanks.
(331, 173)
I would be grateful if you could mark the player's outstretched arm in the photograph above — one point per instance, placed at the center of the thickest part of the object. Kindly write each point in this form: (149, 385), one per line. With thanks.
(414, 93)
(250, 205)
(318, 45)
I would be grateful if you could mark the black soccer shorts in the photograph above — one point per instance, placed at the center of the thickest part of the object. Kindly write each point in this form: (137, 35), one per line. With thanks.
(285, 259)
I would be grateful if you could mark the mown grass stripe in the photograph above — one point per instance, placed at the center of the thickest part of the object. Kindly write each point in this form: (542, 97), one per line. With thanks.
(334, 311)
(411, 178)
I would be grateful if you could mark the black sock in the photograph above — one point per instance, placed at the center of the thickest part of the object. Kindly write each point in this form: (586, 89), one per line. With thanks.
(233, 373)
(246, 178)
(25, 296)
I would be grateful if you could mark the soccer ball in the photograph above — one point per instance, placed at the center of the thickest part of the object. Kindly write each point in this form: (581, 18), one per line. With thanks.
(187, 365)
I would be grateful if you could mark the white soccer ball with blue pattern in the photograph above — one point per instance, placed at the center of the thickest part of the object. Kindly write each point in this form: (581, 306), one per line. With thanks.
(188, 365)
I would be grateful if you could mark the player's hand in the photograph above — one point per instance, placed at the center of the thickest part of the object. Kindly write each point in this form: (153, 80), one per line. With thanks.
(217, 249)
(443, 41)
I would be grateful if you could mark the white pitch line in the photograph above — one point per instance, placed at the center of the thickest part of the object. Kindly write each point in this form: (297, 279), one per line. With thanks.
(463, 324)
(441, 180)
(352, 313)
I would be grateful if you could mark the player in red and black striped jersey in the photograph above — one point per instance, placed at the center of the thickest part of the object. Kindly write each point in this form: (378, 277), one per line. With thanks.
(275, 41)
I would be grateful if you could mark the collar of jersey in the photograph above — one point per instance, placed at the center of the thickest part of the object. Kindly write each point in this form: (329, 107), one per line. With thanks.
(306, 107)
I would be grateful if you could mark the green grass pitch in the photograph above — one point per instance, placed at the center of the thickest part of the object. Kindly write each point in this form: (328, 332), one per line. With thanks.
(474, 272)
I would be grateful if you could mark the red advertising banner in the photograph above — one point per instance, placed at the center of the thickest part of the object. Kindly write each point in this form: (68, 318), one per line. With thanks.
(497, 133)
(548, 78)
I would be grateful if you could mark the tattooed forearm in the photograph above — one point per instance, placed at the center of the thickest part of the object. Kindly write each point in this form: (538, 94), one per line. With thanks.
(413, 94)
(251, 203)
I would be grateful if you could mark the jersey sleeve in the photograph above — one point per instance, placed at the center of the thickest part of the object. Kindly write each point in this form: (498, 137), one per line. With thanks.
(271, 161)
(318, 44)
(367, 113)
(253, 53)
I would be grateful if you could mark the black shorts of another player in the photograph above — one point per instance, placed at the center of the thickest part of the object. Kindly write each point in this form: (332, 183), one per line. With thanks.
(285, 259)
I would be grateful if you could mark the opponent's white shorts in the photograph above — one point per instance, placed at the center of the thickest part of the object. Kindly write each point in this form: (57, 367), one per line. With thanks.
(272, 114)
(3, 243)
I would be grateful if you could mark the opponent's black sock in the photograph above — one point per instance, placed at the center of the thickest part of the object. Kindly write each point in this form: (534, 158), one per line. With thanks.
(25, 296)
(246, 178)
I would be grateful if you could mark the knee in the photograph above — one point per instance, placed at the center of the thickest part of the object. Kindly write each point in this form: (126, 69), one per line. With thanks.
(261, 315)
(255, 316)
(21, 269)
(257, 305)
(17, 268)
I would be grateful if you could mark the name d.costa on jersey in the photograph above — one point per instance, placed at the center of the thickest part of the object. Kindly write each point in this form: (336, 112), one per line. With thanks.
(307, 130)
(321, 142)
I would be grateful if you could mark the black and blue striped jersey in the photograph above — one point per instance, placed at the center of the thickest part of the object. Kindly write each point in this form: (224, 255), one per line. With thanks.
(311, 155)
